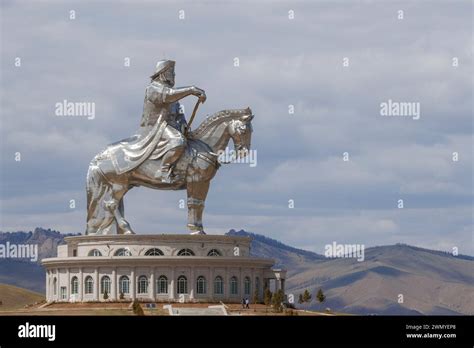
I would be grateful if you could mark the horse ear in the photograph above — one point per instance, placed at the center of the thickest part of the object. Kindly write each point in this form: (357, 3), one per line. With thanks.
(247, 117)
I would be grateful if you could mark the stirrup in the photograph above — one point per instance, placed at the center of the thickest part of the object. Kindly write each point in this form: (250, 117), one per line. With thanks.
(165, 175)
(166, 178)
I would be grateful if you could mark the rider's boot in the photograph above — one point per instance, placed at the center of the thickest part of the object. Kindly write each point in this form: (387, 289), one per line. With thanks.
(166, 171)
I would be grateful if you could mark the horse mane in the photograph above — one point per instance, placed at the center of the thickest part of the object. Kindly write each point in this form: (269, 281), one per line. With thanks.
(217, 117)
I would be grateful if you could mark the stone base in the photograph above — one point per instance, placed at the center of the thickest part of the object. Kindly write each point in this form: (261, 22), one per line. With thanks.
(163, 268)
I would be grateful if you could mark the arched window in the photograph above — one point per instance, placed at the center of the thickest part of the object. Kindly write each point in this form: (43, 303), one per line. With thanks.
(218, 286)
(74, 286)
(185, 252)
(247, 286)
(55, 286)
(182, 285)
(214, 252)
(94, 252)
(105, 285)
(234, 288)
(89, 285)
(154, 252)
(201, 286)
(162, 285)
(124, 285)
(123, 252)
(142, 284)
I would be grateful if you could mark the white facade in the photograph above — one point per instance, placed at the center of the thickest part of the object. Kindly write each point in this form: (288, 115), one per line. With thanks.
(158, 268)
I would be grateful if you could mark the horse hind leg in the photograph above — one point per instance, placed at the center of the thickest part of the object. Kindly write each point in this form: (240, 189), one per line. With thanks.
(99, 218)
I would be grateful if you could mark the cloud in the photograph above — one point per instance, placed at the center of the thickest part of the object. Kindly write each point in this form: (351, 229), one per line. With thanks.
(282, 62)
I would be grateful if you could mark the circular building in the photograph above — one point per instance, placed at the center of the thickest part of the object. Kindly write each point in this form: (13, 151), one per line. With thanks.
(158, 268)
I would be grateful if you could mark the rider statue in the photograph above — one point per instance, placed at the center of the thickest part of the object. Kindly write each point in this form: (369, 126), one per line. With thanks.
(163, 154)
(162, 103)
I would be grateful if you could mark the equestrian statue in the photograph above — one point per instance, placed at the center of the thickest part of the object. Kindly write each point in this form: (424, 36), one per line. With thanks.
(164, 154)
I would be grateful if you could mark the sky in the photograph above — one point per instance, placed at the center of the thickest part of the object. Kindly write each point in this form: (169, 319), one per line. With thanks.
(335, 62)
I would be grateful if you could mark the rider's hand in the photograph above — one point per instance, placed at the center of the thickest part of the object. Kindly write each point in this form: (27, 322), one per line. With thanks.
(198, 92)
(202, 97)
(184, 129)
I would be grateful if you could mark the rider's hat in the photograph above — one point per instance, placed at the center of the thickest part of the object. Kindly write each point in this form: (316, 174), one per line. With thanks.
(161, 66)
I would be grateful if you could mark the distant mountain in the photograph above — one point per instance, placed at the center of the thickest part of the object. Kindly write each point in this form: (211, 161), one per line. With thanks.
(283, 254)
(47, 240)
(24, 273)
(431, 282)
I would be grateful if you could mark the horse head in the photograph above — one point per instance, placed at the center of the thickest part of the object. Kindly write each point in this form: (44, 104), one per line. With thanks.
(219, 128)
(240, 130)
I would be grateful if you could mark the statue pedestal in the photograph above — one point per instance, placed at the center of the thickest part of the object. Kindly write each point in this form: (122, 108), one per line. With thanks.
(157, 268)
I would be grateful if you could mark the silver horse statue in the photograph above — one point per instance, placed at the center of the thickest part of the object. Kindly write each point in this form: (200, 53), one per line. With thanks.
(107, 184)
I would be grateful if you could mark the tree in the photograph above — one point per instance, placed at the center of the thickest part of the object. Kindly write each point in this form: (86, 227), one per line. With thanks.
(255, 296)
(277, 301)
(300, 299)
(137, 309)
(267, 297)
(306, 296)
(106, 295)
(320, 296)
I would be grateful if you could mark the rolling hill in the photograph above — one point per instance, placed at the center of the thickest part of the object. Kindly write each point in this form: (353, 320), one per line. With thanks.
(431, 282)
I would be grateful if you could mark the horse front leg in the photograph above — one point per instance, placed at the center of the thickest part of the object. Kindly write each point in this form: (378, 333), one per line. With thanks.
(123, 227)
(116, 208)
(197, 193)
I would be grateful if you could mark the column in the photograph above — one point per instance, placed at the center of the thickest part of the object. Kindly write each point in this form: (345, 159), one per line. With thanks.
(283, 285)
(226, 284)
(241, 284)
(192, 284)
(113, 295)
(68, 286)
(132, 284)
(253, 285)
(47, 286)
(210, 284)
(153, 284)
(81, 285)
(171, 285)
(96, 285)
(54, 291)
(50, 286)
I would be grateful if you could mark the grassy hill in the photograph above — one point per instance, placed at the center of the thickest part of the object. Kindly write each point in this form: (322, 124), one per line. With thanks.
(431, 282)
(13, 297)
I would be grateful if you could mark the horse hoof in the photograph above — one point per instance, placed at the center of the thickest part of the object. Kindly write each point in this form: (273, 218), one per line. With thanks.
(197, 232)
